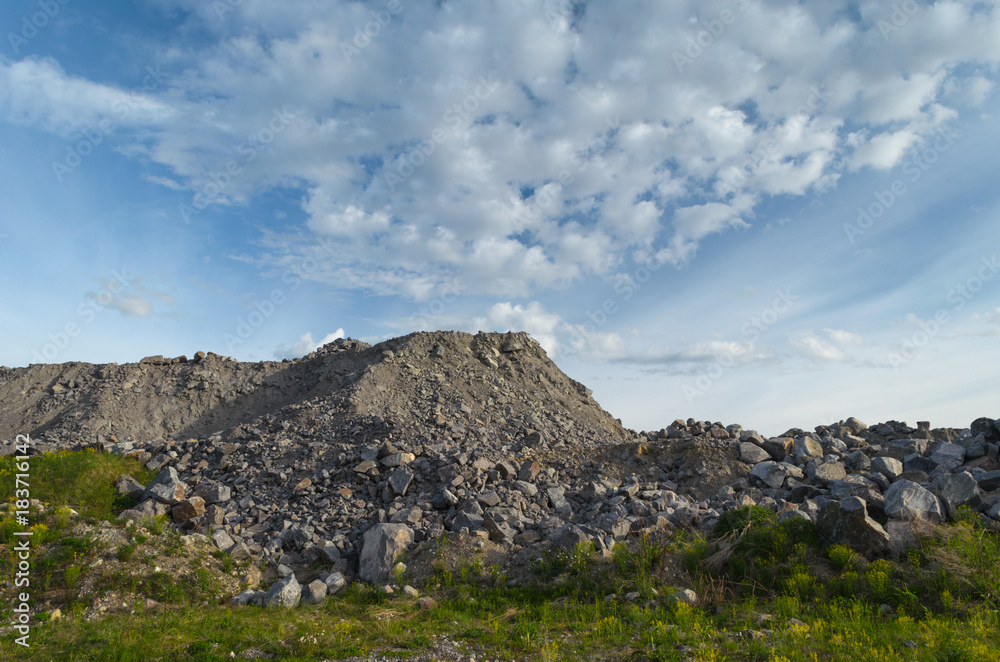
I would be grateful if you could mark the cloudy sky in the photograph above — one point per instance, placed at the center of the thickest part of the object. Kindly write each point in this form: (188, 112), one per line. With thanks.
(766, 212)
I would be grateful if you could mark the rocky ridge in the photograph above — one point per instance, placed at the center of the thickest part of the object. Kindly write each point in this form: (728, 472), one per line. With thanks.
(357, 456)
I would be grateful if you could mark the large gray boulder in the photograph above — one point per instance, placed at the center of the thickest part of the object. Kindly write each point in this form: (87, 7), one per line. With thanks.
(805, 449)
(284, 593)
(908, 501)
(847, 522)
(949, 456)
(382, 545)
(773, 474)
(957, 490)
(752, 453)
(167, 487)
(889, 467)
(213, 492)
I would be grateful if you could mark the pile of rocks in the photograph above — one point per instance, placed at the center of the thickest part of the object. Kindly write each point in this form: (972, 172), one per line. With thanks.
(356, 455)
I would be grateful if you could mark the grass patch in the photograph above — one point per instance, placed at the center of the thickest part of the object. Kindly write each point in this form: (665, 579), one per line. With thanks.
(84, 480)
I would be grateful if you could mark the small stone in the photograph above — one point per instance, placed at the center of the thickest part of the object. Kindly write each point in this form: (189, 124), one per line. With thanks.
(334, 582)
(411, 592)
(222, 540)
(188, 509)
(315, 592)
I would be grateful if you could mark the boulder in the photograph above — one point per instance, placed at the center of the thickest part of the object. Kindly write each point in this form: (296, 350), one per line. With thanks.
(989, 481)
(773, 474)
(284, 593)
(188, 509)
(949, 456)
(805, 449)
(382, 545)
(213, 492)
(399, 481)
(908, 501)
(857, 462)
(829, 471)
(752, 453)
(558, 502)
(315, 592)
(130, 487)
(889, 467)
(854, 426)
(957, 490)
(334, 582)
(847, 522)
(166, 487)
(778, 447)
(222, 540)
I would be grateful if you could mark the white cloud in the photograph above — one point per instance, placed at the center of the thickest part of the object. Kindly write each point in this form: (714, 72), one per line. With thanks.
(845, 337)
(557, 337)
(807, 344)
(305, 345)
(520, 150)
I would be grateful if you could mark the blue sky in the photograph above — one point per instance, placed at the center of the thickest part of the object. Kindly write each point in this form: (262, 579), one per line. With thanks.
(769, 213)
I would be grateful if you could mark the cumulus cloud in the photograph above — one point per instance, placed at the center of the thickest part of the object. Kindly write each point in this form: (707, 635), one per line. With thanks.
(809, 345)
(520, 147)
(556, 336)
(305, 345)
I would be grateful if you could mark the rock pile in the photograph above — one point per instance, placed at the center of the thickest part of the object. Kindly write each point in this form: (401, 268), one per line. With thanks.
(356, 455)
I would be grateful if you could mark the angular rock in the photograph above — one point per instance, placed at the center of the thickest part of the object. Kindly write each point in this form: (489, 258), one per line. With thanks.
(847, 522)
(778, 447)
(889, 467)
(857, 462)
(284, 593)
(328, 552)
(558, 502)
(188, 509)
(315, 592)
(854, 426)
(382, 545)
(773, 474)
(130, 487)
(167, 487)
(213, 492)
(466, 520)
(949, 456)
(990, 481)
(829, 471)
(805, 449)
(499, 530)
(334, 582)
(222, 540)
(957, 490)
(399, 481)
(908, 501)
(529, 471)
(752, 453)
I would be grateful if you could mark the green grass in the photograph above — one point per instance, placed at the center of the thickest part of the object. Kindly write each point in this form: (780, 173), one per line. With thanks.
(83, 480)
(938, 603)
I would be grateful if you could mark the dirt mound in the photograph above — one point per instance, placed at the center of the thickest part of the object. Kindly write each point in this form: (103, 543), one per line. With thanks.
(457, 384)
